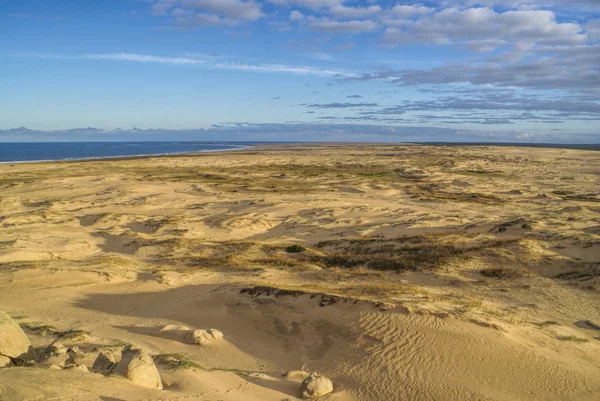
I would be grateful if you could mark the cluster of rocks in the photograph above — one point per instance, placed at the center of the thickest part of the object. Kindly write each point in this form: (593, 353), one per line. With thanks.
(136, 365)
(133, 363)
(314, 385)
(58, 357)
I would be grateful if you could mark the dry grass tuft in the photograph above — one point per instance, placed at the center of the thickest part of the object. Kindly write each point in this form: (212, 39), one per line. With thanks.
(177, 362)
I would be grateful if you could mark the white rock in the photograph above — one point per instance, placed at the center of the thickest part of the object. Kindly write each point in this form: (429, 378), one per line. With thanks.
(217, 335)
(139, 368)
(13, 341)
(200, 337)
(315, 385)
(204, 337)
(174, 327)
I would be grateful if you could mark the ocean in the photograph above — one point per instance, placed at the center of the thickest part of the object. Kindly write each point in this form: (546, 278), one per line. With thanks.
(46, 151)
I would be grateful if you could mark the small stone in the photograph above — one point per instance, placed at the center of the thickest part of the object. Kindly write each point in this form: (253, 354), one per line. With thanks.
(315, 385)
(54, 367)
(76, 354)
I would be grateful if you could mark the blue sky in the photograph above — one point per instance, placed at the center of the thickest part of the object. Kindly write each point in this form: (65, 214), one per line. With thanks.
(364, 70)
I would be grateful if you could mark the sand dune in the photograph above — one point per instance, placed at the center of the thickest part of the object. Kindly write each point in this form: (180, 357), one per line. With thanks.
(399, 272)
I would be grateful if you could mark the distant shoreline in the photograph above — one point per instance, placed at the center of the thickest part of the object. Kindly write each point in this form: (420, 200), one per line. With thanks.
(225, 148)
(245, 145)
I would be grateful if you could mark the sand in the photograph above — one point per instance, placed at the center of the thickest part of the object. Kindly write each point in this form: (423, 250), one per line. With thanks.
(424, 273)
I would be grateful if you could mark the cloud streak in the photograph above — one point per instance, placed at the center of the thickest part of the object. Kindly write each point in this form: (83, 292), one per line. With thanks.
(204, 63)
(316, 132)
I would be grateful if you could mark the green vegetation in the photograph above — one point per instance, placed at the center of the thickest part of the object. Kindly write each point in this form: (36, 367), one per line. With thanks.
(44, 330)
(295, 249)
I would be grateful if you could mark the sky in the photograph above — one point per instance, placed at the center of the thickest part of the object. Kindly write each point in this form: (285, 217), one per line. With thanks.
(300, 70)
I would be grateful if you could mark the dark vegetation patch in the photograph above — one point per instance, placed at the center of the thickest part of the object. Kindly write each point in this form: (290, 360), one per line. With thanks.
(520, 223)
(295, 249)
(480, 172)
(502, 272)
(573, 339)
(438, 192)
(583, 197)
(44, 330)
(581, 271)
(412, 253)
(548, 323)
(322, 299)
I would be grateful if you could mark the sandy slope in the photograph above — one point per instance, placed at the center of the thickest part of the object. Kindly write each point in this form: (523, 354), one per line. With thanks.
(388, 299)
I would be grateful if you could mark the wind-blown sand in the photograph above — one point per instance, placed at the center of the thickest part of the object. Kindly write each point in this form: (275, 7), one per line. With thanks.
(428, 273)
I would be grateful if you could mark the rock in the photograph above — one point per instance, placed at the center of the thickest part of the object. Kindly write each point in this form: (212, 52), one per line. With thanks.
(14, 344)
(81, 367)
(138, 367)
(56, 348)
(315, 385)
(103, 363)
(76, 354)
(61, 360)
(217, 335)
(174, 327)
(204, 337)
(54, 367)
(5, 362)
(296, 375)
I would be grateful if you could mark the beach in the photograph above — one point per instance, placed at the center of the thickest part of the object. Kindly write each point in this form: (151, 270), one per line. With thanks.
(400, 272)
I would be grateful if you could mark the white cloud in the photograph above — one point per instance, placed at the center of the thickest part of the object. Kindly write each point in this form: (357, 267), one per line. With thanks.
(311, 4)
(409, 11)
(455, 25)
(208, 12)
(341, 11)
(296, 16)
(593, 29)
(334, 26)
